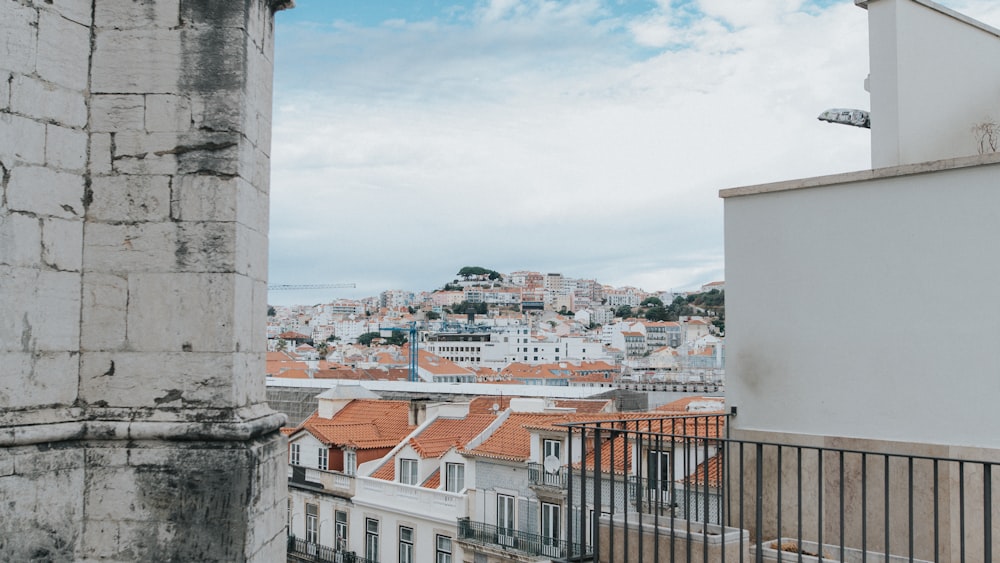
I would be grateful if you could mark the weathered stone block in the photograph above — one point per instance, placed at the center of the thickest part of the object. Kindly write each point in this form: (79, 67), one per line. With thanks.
(182, 379)
(100, 153)
(44, 100)
(174, 312)
(76, 10)
(65, 148)
(63, 51)
(45, 192)
(251, 253)
(136, 61)
(140, 14)
(23, 140)
(117, 113)
(49, 522)
(4, 90)
(20, 240)
(38, 307)
(165, 112)
(18, 28)
(159, 247)
(130, 199)
(205, 198)
(53, 379)
(104, 305)
(62, 243)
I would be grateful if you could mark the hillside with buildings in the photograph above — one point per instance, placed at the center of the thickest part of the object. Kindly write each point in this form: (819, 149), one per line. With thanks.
(522, 327)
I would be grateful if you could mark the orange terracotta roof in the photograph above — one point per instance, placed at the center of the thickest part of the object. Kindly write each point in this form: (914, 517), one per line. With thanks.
(682, 405)
(584, 405)
(292, 336)
(286, 430)
(386, 472)
(434, 481)
(714, 470)
(445, 433)
(363, 424)
(292, 374)
(484, 405)
(512, 441)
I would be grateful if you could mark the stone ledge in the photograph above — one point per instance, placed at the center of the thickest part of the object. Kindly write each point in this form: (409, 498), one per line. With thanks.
(232, 430)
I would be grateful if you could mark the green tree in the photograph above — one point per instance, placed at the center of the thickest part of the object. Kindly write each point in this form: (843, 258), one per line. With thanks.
(282, 344)
(658, 314)
(270, 311)
(366, 338)
(398, 338)
(332, 338)
(322, 348)
(624, 311)
(432, 315)
(651, 302)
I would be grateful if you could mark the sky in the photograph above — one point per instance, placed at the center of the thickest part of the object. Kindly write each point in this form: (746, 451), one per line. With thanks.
(585, 137)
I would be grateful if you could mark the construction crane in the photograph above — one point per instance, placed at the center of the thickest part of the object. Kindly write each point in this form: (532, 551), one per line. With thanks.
(283, 287)
(414, 354)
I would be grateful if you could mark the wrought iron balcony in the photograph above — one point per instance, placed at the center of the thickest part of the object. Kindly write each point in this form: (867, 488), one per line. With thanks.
(537, 475)
(301, 551)
(507, 539)
(682, 489)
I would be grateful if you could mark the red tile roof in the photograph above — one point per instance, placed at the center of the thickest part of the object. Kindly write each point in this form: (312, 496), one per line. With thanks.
(434, 481)
(714, 469)
(445, 433)
(363, 424)
(512, 441)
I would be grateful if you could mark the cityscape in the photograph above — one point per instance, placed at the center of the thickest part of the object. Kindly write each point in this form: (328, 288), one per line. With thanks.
(158, 403)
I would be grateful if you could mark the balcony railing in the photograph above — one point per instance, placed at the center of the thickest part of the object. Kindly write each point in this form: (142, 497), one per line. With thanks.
(299, 550)
(537, 475)
(511, 539)
(334, 482)
(682, 489)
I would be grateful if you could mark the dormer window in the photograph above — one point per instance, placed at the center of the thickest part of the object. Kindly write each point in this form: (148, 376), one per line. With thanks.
(552, 448)
(350, 462)
(454, 477)
(323, 458)
(408, 471)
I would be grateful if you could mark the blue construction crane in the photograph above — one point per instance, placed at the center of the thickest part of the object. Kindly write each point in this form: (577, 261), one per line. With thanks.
(414, 355)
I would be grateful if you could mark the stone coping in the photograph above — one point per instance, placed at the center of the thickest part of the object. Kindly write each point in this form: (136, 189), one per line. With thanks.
(864, 175)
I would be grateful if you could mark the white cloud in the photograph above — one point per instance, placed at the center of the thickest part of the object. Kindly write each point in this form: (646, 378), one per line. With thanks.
(550, 136)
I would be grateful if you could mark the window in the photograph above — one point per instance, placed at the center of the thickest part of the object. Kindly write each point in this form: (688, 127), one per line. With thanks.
(323, 458)
(405, 544)
(550, 529)
(443, 554)
(350, 462)
(505, 519)
(408, 471)
(454, 477)
(340, 529)
(312, 521)
(658, 474)
(371, 539)
(296, 449)
(553, 448)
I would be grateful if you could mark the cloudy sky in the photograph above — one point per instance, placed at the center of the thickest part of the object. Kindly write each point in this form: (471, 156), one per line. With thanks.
(587, 137)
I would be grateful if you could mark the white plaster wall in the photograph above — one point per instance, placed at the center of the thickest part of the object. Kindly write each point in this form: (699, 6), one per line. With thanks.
(803, 266)
(934, 75)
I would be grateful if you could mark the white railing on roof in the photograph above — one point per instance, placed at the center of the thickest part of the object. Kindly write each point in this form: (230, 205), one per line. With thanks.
(432, 503)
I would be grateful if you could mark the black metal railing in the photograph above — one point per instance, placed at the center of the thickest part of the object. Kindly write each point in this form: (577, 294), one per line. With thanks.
(301, 550)
(511, 539)
(741, 500)
(537, 475)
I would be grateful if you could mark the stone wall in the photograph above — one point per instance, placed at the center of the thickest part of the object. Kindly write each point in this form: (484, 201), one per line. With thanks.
(134, 163)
